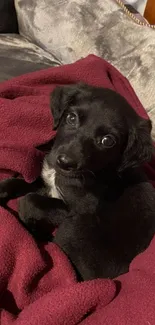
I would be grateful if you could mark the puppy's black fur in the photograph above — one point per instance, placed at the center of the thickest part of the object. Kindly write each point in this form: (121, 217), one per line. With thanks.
(104, 206)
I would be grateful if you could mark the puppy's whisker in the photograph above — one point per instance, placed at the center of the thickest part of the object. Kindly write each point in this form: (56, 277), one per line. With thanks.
(83, 179)
(90, 171)
(61, 193)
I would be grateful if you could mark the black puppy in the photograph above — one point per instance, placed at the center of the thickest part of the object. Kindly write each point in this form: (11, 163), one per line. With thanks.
(94, 191)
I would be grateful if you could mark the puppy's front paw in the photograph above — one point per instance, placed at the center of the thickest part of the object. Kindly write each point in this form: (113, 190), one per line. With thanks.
(23, 210)
(32, 218)
(4, 195)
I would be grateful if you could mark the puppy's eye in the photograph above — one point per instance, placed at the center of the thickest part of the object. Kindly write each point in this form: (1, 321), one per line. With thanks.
(108, 141)
(72, 119)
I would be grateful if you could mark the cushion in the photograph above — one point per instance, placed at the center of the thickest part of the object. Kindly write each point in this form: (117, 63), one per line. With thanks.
(19, 56)
(8, 17)
(73, 29)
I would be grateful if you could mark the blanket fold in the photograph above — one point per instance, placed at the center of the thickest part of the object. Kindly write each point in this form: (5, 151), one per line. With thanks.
(37, 282)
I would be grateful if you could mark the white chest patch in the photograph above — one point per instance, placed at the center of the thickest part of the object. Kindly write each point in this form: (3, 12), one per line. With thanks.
(48, 175)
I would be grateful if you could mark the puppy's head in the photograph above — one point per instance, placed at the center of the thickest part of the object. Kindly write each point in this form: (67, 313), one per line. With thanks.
(96, 129)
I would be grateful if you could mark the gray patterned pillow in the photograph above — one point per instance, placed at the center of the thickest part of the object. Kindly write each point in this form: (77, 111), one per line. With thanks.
(68, 29)
(71, 29)
(19, 56)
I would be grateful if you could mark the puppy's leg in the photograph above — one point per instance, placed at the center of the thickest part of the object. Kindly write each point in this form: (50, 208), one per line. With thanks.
(40, 213)
(13, 188)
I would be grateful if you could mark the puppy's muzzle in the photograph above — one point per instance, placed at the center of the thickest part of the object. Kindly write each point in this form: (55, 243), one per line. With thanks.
(66, 162)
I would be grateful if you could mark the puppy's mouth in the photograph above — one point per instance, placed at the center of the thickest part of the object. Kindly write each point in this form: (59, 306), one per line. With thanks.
(49, 169)
(81, 174)
(70, 173)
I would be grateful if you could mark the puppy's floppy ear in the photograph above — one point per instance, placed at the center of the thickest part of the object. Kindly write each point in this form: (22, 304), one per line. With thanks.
(61, 98)
(57, 105)
(139, 148)
(45, 147)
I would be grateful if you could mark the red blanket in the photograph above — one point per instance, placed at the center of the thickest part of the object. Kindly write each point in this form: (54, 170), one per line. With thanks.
(37, 283)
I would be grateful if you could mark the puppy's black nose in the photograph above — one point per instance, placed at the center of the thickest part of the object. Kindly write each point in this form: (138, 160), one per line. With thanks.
(65, 162)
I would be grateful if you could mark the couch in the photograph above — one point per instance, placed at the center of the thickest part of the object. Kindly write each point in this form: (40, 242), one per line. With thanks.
(37, 34)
